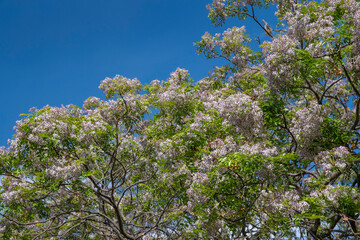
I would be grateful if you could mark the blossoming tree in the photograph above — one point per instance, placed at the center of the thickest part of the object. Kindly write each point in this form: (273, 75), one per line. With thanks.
(265, 147)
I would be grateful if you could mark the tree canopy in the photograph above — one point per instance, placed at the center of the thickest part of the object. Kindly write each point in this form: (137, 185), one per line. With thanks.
(265, 147)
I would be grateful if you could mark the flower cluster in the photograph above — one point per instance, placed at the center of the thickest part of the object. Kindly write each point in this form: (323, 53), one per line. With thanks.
(280, 56)
(63, 168)
(238, 110)
(231, 46)
(333, 160)
(14, 187)
(91, 102)
(173, 89)
(306, 126)
(119, 85)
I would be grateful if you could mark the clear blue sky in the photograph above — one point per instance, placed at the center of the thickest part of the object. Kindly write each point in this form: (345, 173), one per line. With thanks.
(55, 52)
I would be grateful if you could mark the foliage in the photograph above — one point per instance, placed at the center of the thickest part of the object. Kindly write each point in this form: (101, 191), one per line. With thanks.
(266, 146)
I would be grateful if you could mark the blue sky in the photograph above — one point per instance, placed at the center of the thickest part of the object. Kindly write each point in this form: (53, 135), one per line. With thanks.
(56, 52)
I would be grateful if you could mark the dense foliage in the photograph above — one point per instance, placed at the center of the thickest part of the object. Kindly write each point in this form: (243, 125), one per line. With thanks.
(265, 147)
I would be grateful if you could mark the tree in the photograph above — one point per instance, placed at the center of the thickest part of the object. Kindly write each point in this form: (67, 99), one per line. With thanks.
(265, 147)
(88, 173)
